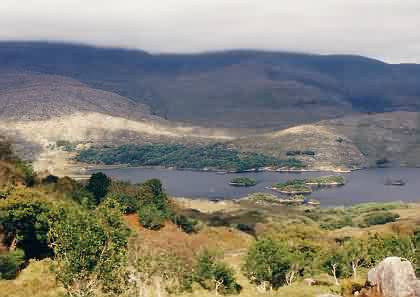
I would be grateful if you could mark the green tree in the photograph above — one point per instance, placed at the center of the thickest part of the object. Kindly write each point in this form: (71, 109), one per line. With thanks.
(267, 263)
(90, 249)
(213, 274)
(25, 220)
(356, 254)
(335, 264)
(98, 185)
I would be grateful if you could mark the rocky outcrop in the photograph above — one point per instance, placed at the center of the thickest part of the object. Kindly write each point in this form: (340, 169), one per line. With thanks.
(395, 277)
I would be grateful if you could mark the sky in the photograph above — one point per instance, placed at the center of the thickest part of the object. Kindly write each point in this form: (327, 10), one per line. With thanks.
(383, 29)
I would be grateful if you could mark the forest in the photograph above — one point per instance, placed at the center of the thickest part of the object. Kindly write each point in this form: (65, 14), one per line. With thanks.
(214, 156)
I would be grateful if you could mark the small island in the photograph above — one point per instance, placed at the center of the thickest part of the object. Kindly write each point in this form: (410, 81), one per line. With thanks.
(242, 182)
(293, 187)
(325, 181)
(304, 186)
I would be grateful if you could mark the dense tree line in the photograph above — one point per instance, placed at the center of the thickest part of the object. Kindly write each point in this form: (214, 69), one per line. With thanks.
(216, 156)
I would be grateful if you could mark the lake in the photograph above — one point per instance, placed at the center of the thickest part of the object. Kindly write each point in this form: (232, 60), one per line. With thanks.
(362, 185)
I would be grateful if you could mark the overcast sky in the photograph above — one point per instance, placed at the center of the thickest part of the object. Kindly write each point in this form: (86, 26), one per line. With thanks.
(384, 29)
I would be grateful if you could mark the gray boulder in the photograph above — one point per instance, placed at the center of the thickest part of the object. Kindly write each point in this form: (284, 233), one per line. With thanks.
(395, 277)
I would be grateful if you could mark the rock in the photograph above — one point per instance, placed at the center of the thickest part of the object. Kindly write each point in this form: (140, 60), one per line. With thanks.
(395, 277)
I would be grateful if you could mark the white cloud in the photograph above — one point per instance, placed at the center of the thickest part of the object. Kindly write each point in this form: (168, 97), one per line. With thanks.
(385, 29)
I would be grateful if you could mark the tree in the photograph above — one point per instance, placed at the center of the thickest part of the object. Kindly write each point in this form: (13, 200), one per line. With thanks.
(334, 264)
(211, 273)
(25, 220)
(90, 249)
(267, 263)
(98, 185)
(356, 254)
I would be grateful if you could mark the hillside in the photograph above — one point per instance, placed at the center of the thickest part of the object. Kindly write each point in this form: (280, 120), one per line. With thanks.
(33, 96)
(231, 89)
(347, 143)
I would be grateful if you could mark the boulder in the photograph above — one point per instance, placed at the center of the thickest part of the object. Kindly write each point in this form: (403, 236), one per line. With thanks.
(395, 277)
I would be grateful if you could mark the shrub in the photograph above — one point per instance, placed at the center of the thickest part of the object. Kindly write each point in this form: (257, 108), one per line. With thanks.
(186, 224)
(151, 217)
(380, 218)
(11, 263)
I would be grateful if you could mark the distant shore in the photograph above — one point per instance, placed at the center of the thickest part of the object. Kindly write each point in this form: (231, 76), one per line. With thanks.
(91, 167)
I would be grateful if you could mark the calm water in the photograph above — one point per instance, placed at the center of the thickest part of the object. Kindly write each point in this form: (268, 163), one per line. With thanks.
(362, 186)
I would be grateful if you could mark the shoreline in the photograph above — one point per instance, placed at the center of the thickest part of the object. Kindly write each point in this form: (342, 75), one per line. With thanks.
(83, 167)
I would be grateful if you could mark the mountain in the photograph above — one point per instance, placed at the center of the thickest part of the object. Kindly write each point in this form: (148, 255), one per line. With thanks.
(230, 89)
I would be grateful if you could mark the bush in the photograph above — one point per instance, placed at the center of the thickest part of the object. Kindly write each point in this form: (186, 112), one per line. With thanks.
(151, 217)
(11, 263)
(186, 224)
(380, 218)
(212, 274)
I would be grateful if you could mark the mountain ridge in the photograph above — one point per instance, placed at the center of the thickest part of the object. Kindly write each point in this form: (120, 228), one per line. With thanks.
(230, 89)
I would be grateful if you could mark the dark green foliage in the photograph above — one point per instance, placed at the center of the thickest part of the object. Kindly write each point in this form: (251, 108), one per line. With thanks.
(300, 153)
(26, 223)
(379, 218)
(98, 185)
(335, 263)
(129, 204)
(11, 263)
(186, 224)
(50, 179)
(83, 197)
(267, 263)
(243, 181)
(212, 274)
(216, 156)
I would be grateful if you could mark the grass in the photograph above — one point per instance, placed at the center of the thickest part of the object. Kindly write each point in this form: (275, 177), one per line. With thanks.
(36, 280)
